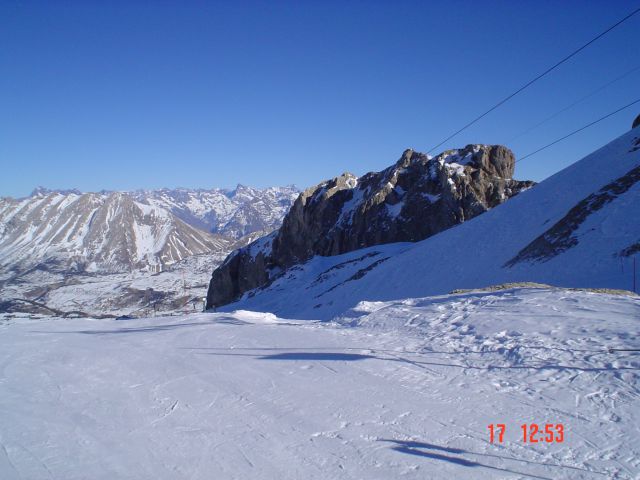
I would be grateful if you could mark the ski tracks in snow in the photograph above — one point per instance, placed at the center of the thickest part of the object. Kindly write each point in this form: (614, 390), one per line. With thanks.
(407, 390)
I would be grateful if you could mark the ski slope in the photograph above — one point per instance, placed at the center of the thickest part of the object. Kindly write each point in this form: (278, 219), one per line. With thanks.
(396, 389)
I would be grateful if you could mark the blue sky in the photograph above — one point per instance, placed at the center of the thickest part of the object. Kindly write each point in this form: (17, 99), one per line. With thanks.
(130, 94)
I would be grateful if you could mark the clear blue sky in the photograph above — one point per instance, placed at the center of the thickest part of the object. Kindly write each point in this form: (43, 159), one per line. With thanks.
(131, 94)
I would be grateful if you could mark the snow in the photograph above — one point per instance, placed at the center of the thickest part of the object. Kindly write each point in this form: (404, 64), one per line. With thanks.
(400, 389)
(235, 213)
(401, 381)
(352, 182)
(150, 238)
(152, 211)
(430, 197)
(455, 160)
(109, 230)
(174, 288)
(350, 206)
(262, 245)
(455, 169)
(394, 210)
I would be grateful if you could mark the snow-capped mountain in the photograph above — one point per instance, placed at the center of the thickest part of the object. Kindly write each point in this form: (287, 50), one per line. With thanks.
(233, 213)
(413, 199)
(95, 232)
(63, 252)
(578, 228)
(122, 231)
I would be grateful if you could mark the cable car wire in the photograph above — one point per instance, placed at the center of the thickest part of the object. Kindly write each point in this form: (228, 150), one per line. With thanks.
(582, 99)
(531, 82)
(578, 130)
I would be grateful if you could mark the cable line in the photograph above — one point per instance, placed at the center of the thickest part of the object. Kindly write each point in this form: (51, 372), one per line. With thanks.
(578, 130)
(575, 52)
(617, 79)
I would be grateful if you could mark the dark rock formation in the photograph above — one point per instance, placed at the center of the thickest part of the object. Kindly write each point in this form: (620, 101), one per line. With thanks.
(636, 122)
(562, 235)
(417, 197)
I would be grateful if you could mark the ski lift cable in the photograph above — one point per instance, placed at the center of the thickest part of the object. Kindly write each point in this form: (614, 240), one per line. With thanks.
(578, 130)
(580, 100)
(531, 82)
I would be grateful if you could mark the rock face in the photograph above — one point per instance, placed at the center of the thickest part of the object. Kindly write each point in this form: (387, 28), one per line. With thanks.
(636, 122)
(417, 197)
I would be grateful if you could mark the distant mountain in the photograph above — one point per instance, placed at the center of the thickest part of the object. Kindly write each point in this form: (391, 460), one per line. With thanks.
(124, 231)
(233, 213)
(101, 253)
(578, 228)
(417, 197)
(95, 232)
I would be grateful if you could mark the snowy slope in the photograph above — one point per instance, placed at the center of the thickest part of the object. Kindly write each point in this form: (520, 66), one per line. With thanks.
(401, 389)
(578, 228)
(178, 288)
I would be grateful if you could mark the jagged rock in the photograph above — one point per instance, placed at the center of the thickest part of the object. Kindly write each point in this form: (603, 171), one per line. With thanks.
(636, 122)
(413, 199)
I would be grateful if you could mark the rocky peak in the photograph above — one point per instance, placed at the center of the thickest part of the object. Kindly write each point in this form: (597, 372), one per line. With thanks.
(410, 156)
(413, 199)
(43, 191)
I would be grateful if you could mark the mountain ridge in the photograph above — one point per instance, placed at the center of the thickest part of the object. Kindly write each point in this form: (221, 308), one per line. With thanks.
(96, 233)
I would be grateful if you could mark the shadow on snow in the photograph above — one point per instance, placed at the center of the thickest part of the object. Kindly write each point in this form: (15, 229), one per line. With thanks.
(432, 451)
(345, 357)
(320, 353)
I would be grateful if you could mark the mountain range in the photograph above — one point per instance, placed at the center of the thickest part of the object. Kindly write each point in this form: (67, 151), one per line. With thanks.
(231, 213)
(64, 252)
(125, 231)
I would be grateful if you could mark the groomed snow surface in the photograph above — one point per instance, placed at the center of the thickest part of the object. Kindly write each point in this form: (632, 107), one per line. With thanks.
(396, 389)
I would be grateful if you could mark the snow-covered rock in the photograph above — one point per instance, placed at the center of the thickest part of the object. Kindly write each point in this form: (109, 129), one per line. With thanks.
(413, 199)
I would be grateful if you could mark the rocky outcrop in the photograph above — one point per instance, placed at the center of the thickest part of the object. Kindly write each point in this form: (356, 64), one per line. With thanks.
(417, 197)
(636, 122)
(563, 234)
